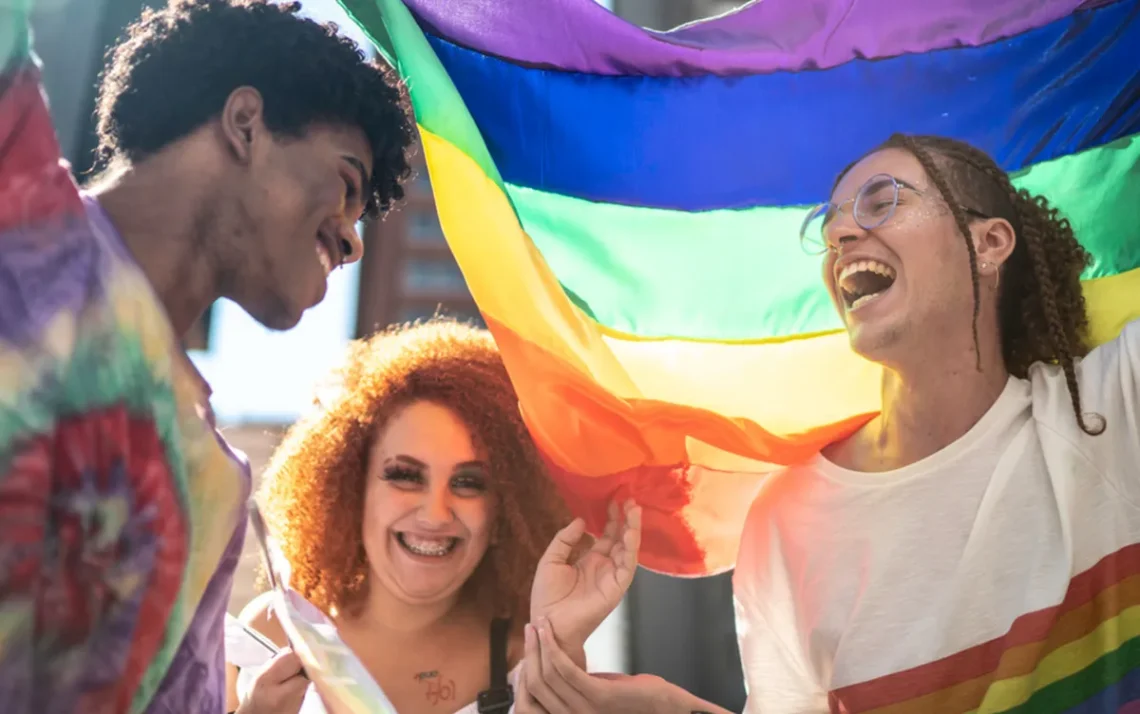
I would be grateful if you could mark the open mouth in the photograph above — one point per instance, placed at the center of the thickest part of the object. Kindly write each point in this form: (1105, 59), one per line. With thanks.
(863, 281)
(325, 253)
(424, 546)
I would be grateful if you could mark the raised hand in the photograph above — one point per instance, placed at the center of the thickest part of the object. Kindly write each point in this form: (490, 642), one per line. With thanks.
(576, 594)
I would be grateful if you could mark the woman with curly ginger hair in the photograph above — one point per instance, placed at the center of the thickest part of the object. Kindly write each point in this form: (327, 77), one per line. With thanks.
(976, 545)
(413, 509)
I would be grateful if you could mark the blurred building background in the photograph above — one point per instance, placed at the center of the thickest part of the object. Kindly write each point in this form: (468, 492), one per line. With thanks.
(679, 629)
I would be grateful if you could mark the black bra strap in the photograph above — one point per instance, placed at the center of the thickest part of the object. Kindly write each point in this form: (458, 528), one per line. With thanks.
(499, 696)
(499, 629)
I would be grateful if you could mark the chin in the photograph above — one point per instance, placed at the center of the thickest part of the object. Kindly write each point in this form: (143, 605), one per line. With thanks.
(278, 317)
(281, 323)
(877, 343)
(428, 596)
(417, 591)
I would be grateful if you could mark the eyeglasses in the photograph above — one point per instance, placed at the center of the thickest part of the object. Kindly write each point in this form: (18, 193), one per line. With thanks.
(873, 205)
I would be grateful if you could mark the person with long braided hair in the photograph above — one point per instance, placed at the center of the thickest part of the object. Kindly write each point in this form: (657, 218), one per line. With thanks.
(975, 546)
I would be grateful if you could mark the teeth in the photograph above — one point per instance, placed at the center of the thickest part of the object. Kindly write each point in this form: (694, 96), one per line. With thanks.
(324, 257)
(864, 280)
(861, 300)
(873, 266)
(421, 545)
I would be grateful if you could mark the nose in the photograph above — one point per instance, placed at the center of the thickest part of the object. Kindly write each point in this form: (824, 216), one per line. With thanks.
(435, 510)
(351, 244)
(843, 230)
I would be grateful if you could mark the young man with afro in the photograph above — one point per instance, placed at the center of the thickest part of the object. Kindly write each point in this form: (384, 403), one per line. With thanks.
(240, 145)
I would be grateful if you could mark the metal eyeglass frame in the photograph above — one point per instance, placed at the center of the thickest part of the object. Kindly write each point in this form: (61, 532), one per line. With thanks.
(829, 210)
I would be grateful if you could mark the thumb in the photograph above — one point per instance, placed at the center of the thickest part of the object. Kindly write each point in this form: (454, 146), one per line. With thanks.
(285, 664)
(559, 550)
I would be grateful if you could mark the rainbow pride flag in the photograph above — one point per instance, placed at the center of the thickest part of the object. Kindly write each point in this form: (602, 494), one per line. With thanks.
(625, 205)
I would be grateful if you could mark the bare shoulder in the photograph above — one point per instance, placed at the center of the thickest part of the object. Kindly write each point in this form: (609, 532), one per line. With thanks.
(258, 615)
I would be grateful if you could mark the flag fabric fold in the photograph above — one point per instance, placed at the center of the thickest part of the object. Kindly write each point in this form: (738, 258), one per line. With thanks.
(624, 205)
(758, 38)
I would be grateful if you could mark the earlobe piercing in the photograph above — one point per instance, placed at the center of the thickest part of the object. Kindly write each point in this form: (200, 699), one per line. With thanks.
(997, 273)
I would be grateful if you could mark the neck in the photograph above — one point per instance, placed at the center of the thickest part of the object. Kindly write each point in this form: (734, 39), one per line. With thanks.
(928, 404)
(163, 234)
(382, 611)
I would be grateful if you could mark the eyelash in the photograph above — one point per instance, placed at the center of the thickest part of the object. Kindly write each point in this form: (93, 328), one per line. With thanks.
(404, 474)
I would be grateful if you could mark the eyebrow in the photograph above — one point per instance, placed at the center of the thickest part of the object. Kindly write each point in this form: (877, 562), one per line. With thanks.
(412, 461)
(901, 182)
(359, 166)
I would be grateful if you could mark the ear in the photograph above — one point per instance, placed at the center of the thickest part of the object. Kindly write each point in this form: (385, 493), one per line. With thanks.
(994, 240)
(242, 122)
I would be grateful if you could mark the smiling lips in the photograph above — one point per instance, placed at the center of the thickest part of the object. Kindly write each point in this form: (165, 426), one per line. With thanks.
(326, 252)
(324, 257)
(863, 281)
(426, 546)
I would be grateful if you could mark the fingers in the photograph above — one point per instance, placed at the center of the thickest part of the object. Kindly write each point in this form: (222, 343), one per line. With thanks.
(537, 686)
(623, 556)
(280, 686)
(556, 667)
(285, 665)
(559, 550)
(293, 690)
(630, 541)
(571, 682)
(609, 536)
(525, 703)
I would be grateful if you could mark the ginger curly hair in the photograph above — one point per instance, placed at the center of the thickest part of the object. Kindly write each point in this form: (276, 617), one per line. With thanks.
(312, 494)
(1041, 306)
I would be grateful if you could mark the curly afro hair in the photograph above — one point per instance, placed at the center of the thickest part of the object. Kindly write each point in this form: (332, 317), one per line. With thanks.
(177, 66)
(312, 494)
(1041, 305)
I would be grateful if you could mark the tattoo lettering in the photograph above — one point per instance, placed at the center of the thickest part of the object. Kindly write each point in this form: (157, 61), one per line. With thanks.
(442, 690)
(426, 675)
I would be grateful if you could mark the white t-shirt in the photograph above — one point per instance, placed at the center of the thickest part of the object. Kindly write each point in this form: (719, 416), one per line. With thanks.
(1000, 574)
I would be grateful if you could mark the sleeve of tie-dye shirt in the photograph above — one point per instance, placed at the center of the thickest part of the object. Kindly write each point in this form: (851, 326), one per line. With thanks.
(91, 537)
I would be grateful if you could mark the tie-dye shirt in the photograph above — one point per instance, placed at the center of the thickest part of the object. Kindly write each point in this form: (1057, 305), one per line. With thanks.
(122, 511)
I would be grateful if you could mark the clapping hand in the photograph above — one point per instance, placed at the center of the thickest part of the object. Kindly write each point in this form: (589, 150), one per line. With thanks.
(576, 594)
